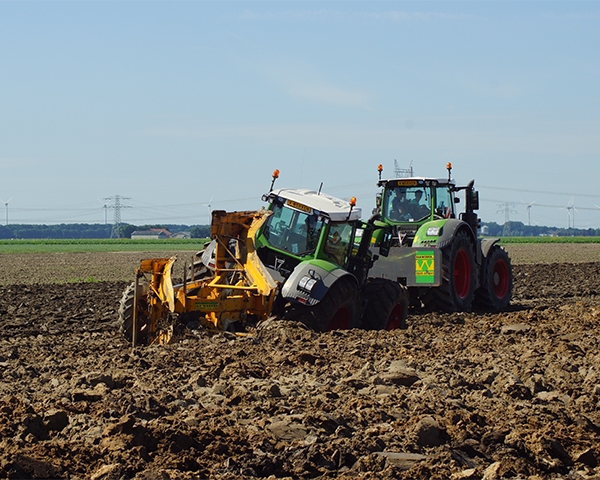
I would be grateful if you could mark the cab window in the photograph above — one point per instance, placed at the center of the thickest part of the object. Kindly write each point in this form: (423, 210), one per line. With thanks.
(407, 204)
(338, 242)
(292, 231)
(444, 203)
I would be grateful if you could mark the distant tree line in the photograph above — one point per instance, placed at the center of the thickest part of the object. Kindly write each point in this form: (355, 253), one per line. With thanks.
(519, 229)
(86, 230)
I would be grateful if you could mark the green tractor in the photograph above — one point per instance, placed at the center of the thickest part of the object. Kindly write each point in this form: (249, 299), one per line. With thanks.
(305, 257)
(318, 251)
(436, 252)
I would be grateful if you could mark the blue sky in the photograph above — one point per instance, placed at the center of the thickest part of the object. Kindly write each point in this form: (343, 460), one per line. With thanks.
(175, 105)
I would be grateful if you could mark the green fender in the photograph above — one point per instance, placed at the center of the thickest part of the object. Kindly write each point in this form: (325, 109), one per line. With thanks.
(440, 233)
(310, 281)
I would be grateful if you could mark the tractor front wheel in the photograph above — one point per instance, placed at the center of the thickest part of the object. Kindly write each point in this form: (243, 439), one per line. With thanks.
(338, 310)
(496, 280)
(386, 305)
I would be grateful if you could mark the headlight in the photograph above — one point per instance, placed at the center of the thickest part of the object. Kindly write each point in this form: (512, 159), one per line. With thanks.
(306, 284)
(433, 231)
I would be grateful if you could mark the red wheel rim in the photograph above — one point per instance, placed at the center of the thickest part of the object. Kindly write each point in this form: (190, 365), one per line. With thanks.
(395, 318)
(462, 274)
(341, 320)
(500, 278)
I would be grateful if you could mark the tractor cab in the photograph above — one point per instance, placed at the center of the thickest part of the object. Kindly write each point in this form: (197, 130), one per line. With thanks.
(307, 225)
(409, 203)
(415, 200)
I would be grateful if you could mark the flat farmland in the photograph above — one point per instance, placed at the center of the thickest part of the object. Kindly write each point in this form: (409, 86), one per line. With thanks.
(454, 396)
(30, 268)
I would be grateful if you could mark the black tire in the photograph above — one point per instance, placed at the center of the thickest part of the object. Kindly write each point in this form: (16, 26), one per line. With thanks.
(496, 280)
(457, 291)
(386, 305)
(126, 313)
(338, 310)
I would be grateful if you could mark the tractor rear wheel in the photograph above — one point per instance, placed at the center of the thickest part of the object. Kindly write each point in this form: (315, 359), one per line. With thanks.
(496, 280)
(338, 310)
(126, 313)
(387, 305)
(457, 290)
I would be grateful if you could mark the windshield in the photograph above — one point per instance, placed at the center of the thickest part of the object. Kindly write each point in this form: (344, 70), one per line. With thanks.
(292, 231)
(406, 204)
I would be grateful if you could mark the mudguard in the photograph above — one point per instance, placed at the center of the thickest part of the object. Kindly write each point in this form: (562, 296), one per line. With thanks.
(310, 281)
(446, 230)
(486, 244)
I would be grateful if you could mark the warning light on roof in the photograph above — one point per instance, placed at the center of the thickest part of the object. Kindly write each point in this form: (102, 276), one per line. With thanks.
(275, 177)
(380, 168)
(353, 201)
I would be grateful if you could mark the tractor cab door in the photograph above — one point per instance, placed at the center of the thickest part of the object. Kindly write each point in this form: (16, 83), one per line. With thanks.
(444, 202)
(340, 240)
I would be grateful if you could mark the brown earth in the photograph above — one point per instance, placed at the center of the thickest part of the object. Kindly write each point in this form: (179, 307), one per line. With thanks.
(478, 395)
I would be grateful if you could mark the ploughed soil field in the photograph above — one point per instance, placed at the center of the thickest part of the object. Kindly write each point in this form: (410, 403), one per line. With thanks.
(454, 396)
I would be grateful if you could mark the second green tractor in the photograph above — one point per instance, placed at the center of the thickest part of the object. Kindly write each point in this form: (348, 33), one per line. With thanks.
(437, 251)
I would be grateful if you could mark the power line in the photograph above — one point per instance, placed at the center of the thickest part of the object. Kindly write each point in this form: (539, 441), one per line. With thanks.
(542, 192)
(544, 205)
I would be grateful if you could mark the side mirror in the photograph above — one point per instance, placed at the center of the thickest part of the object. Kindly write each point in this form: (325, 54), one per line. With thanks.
(475, 200)
(378, 200)
(385, 244)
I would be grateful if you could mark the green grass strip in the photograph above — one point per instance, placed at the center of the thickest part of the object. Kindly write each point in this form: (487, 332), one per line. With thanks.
(100, 245)
(509, 240)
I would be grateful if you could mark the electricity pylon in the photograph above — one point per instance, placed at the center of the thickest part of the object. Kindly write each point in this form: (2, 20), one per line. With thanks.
(116, 206)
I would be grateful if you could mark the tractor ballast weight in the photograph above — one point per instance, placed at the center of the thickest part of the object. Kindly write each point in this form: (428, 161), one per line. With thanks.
(437, 252)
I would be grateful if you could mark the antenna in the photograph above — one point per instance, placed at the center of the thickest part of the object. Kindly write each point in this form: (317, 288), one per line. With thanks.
(6, 207)
(117, 206)
(402, 172)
